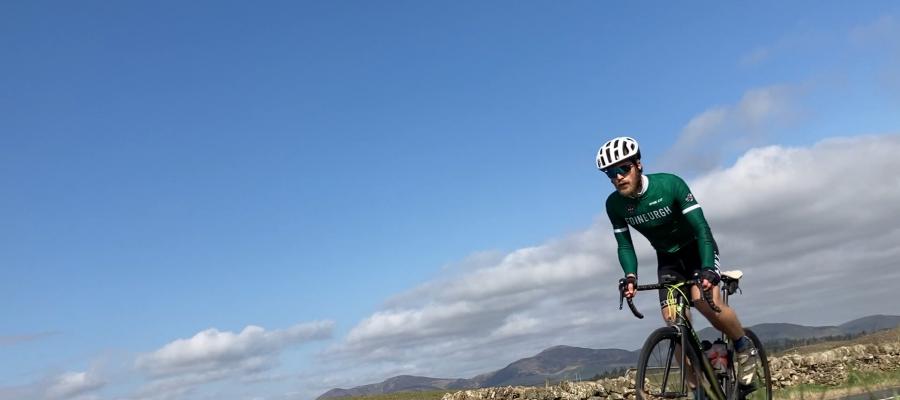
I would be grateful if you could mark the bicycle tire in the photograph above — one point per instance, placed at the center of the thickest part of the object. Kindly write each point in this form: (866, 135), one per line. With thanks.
(657, 354)
(764, 374)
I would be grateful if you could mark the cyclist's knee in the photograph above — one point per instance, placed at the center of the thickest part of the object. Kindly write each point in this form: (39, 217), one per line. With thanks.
(668, 315)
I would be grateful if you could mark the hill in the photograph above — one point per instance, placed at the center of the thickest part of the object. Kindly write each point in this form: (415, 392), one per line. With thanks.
(782, 335)
(402, 383)
(558, 363)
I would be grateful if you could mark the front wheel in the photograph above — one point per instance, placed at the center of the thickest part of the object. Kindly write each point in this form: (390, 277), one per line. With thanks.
(763, 378)
(660, 371)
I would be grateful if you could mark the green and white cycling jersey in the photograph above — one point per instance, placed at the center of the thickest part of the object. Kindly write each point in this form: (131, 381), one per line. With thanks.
(667, 214)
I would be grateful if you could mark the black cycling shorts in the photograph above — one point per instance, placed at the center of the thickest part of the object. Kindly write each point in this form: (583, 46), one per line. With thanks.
(679, 266)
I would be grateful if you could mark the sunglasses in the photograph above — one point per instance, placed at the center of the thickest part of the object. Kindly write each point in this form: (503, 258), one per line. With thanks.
(620, 170)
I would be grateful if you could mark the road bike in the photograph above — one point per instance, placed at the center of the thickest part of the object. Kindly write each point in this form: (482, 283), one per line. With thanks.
(664, 371)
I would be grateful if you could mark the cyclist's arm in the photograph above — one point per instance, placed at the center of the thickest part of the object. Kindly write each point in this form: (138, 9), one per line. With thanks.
(694, 215)
(627, 256)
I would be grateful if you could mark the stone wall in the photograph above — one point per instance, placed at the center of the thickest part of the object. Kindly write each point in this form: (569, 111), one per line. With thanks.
(830, 368)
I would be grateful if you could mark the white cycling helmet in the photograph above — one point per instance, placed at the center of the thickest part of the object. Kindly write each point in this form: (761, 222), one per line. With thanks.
(617, 150)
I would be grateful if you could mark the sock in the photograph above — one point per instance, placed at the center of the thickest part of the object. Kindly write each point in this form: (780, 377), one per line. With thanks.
(742, 344)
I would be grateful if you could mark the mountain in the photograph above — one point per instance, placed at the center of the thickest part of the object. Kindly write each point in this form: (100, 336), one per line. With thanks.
(781, 332)
(561, 362)
(870, 324)
(566, 362)
(402, 383)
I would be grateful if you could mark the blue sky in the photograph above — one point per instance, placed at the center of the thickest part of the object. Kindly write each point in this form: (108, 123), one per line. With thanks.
(172, 167)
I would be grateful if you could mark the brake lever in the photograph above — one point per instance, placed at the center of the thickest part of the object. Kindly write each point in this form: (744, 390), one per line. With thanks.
(634, 310)
(621, 292)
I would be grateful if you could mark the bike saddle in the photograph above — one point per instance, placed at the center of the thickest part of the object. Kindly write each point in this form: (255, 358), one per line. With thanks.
(731, 279)
(735, 275)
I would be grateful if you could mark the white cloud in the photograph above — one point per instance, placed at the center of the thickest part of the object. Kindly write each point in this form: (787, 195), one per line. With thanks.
(720, 130)
(211, 355)
(211, 349)
(517, 325)
(482, 298)
(73, 384)
(798, 215)
(707, 123)
(64, 386)
(801, 222)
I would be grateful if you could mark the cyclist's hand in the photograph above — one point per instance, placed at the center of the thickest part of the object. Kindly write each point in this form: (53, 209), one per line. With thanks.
(709, 278)
(630, 286)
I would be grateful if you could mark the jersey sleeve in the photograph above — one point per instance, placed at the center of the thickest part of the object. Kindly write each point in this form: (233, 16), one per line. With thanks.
(694, 215)
(625, 250)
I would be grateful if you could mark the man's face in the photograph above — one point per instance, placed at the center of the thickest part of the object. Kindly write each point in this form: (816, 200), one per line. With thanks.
(626, 177)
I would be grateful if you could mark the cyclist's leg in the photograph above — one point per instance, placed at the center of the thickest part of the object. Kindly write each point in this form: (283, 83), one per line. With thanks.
(726, 320)
(670, 269)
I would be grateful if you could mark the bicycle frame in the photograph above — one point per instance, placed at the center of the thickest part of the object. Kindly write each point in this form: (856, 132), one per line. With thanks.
(688, 336)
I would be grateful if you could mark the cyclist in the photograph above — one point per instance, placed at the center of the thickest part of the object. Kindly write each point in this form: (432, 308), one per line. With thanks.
(662, 208)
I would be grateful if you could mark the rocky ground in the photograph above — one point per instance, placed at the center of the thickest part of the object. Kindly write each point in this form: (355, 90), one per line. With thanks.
(828, 367)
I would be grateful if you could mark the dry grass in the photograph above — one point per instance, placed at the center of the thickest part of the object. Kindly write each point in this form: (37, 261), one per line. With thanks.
(859, 384)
